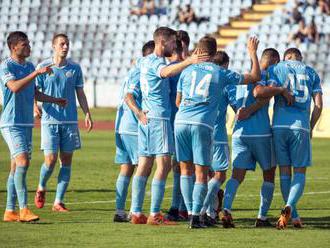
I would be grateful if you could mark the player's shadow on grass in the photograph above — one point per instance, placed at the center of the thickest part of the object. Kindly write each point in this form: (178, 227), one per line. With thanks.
(309, 222)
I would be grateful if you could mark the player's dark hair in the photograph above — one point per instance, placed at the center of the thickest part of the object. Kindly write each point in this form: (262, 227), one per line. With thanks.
(271, 54)
(220, 58)
(178, 48)
(183, 36)
(163, 33)
(293, 51)
(14, 37)
(60, 35)
(208, 45)
(148, 48)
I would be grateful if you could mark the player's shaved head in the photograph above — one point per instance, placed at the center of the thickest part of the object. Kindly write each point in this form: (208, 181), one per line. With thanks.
(293, 54)
(148, 48)
(221, 58)
(183, 36)
(163, 33)
(270, 56)
(207, 45)
(57, 36)
(15, 37)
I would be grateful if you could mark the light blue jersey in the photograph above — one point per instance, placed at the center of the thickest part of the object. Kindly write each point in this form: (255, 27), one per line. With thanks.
(302, 81)
(201, 86)
(17, 108)
(173, 86)
(62, 82)
(155, 89)
(258, 124)
(126, 121)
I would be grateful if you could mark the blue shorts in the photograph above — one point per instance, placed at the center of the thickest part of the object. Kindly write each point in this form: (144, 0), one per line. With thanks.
(63, 137)
(194, 143)
(18, 139)
(292, 147)
(126, 149)
(221, 156)
(247, 151)
(155, 138)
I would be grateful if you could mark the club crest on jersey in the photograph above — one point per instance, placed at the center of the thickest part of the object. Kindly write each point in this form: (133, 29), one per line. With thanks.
(69, 74)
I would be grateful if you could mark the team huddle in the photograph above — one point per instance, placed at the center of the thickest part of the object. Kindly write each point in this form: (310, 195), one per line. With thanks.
(56, 82)
(173, 111)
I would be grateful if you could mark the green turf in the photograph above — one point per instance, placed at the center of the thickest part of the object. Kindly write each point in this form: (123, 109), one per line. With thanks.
(89, 224)
(100, 114)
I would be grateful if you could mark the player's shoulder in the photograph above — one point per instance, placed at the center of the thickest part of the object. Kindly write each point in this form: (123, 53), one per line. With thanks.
(73, 64)
(44, 63)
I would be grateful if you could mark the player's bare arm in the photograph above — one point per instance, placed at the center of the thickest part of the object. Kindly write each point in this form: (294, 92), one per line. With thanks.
(41, 97)
(255, 74)
(178, 99)
(18, 85)
(317, 110)
(84, 106)
(270, 91)
(37, 112)
(172, 70)
(131, 103)
(246, 112)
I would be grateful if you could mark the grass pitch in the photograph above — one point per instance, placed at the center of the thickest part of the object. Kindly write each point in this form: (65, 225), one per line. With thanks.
(91, 199)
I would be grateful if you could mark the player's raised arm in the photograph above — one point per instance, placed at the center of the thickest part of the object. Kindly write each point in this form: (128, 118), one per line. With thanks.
(255, 74)
(174, 69)
(18, 85)
(84, 106)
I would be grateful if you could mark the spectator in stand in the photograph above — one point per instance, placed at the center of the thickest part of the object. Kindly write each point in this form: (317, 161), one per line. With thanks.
(301, 34)
(188, 15)
(294, 16)
(312, 33)
(324, 6)
(145, 7)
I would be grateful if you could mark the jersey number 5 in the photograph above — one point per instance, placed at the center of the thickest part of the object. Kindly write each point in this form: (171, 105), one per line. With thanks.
(298, 86)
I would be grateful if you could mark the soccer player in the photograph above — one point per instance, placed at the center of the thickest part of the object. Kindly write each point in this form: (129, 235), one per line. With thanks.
(59, 126)
(155, 137)
(177, 210)
(251, 143)
(17, 82)
(126, 128)
(199, 95)
(293, 127)
(183, 36)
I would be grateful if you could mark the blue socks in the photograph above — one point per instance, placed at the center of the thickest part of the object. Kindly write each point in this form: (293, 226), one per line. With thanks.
(285, 181)
(230, 192)
(200, 190)
(20, 185)
(138, 192)
(187, 187)
(212, 190)
(45, 173)
(296, 190)
(62, 182)
(157, 195)
(121, 191)
(176, 193)
(266, 197)
(11, 193)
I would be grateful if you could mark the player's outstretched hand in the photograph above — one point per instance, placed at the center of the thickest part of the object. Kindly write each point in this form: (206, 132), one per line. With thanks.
(252, 45)
(288, 97)
(89, 122)
(61, 102)
(37, 112)
(142, 116)
(47, 69)
(242, 114)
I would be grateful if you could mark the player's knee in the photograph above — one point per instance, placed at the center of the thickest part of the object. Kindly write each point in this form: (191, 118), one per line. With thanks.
(300, 170)
(127, 170)
(22, 159)
(239, 175)
(285, 170)
(66, 158)
(269, 175)
(50, 160)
